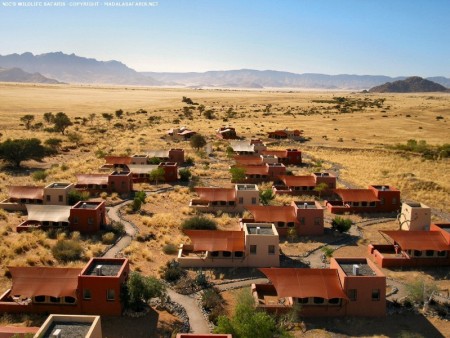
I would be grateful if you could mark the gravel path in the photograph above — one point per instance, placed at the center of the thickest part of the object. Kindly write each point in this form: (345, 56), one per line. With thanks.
(130, 231)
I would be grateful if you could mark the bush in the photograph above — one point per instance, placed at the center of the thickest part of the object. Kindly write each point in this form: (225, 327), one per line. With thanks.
(154, 160)
(39, 175)
(108, 238)
(141, 195)
(67, 250)
(211, 298)
(199, 223)
(117, 227)
(136, 205)
(170, 249)
(420, 290)
(172, 271)
(341, 224)
(185, 175)
(75, 196)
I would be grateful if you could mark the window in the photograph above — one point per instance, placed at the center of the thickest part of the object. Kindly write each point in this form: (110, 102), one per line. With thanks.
(352, 294)
(241, 200)
(302, 300)
(214, 253)
(223, 202)
(60, 198)
(110, 294)
(253, 249)
(372, 204)
(394, 200)
(231, 203)
(238, 254)
(280, 224)
(69, 300)
(55, 299)
(48, 198)
(417, 253)
(334, 301)
(253, 200)
(39, 299)
(290, 224)
(75, 220)
(364, 204)
(317, 221)
(271, 249)
(375, 294)
(90, 220)
(226, 254)
(382, 200)
(442, 253)
(429, 253)
(318, 300)
(87, 294)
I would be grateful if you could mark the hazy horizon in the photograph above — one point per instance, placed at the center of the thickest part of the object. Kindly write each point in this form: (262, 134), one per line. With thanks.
(392, 38)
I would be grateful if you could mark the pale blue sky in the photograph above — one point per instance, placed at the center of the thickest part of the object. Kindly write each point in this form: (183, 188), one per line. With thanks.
(388, 37)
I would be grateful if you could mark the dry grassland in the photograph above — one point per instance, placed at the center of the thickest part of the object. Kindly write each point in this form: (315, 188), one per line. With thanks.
(350, 144)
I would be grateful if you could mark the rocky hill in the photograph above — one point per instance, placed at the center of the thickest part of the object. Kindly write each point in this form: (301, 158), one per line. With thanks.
(18, 75)
(414, 84)
(75, 69)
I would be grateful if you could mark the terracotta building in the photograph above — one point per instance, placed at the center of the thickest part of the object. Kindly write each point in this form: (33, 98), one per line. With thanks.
(305, 217)
(262, 173)
(95, 289)
(415, 216)
(287, 156)
(225, 199)
(140, 173)
(350, 287)
(377, 198)
(227, 133)
(254, 246)
(85, 217)
(253, 147)
(305, 185)
(285, 134)
(414, 247)
(120, 182)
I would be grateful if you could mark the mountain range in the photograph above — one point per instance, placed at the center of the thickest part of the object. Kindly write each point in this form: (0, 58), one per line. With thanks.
(70, 68)
(414, 84)
(18, 75)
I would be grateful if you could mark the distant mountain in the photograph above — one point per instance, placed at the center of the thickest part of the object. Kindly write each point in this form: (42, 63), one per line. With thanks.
(249, 78)
(18, 75)
(75, 69)
(414, 84)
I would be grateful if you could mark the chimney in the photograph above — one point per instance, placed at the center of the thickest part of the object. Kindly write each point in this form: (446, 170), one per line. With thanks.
(98, 269)
(355, 269)
(56, 333)
(84, 205)
(258, 230)
(305, 205)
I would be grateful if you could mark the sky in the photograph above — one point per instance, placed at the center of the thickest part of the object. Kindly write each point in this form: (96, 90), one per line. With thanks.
(365, 37)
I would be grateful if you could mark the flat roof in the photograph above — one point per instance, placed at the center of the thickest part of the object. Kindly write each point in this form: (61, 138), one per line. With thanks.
(363, 268)
(68, 329)
(108, 268)
(86, 205)
(252, 229)
(246, 187)
(305, 205)
(58, 185)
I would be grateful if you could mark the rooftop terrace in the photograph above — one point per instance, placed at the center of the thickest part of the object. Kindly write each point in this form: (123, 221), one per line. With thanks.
(259, 229)
(363, 268)
(104, 268)
(58, 185)
(68, 329)
(305, 205)
(246, 187)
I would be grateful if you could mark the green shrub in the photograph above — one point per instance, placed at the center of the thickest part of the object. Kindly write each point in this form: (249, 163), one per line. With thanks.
(39, 175)
(108, 238)
(137, 204)
(185, 175)
(75, 196)
(341, 224)
(170, 249)
(199, 223)
(67, 250)
(154, 160)
(141, 195)
(140, 289)
(172, 271)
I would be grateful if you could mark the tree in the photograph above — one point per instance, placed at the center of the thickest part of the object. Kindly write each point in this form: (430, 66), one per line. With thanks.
(49, 117)
(137, 204)
(327, 251)
(16, 151)
(75, 138)
(119, 113)
(140, 289)
(266, 196)
(199, 223)
(74, 196)
(247, 322)
(187, 100)
(197, 141)
(92, 117)
(209, 114)
(341, 224)
(61, 122)
(237, 174)
(27, 119)
(320, 188)
(108, 117)
(156, 175)
(201, 109)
